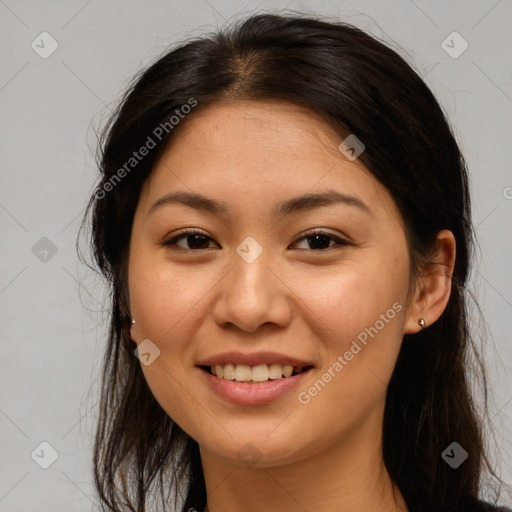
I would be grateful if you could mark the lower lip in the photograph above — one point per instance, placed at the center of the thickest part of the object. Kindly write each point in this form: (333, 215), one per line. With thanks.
(244, 393)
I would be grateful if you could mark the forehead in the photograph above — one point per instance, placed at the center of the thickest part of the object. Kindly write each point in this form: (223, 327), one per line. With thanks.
(257, 152)
(279, 125)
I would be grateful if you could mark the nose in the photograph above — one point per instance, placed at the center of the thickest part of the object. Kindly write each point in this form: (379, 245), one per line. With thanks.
(251, 295)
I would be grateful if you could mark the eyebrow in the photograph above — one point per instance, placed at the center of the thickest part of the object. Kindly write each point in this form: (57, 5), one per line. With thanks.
(295, 204)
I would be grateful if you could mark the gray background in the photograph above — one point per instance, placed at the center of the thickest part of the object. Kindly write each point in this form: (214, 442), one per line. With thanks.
(53, 319)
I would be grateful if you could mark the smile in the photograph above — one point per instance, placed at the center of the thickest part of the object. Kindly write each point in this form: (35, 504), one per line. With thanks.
(252, 374)
(254, 392)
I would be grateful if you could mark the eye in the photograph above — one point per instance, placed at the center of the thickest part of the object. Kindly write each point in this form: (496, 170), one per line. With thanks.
(321, 240)
(194, 238)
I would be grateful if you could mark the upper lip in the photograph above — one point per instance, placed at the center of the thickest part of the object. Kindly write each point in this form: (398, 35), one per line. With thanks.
(253, 359)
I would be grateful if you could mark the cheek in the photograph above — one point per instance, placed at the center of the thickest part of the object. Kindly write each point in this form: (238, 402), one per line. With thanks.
(167, 302)
(360, 358)
(167, 298)
(359, 297)
(364, 310)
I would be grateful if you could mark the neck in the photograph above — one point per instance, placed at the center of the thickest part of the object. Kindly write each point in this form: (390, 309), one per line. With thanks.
(348, 476)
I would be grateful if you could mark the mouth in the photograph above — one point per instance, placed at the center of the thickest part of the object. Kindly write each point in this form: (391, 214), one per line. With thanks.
(254, 374)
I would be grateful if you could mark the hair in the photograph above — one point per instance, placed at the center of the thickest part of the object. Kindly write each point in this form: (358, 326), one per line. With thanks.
(358, 85)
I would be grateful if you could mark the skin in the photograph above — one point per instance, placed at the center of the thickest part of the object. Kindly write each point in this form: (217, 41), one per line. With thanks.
(311, 304)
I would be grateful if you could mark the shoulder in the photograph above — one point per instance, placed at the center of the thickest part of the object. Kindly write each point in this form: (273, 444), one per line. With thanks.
(487, 507)
(473, 505)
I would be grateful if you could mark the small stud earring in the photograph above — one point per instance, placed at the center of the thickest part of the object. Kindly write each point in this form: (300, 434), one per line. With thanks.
(421, 322)
(133, 322)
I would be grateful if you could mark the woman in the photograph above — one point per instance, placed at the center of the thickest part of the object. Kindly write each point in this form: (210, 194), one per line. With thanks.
(284, 218)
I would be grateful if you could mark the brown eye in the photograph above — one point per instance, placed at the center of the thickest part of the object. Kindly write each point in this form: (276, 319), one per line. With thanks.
(193, 240)
(321, 240)
(317, 241)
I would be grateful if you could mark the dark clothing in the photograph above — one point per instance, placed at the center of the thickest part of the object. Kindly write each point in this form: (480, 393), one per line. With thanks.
(482, 506)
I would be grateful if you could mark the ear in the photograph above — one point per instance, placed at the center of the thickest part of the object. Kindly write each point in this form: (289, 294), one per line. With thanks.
(434, 284)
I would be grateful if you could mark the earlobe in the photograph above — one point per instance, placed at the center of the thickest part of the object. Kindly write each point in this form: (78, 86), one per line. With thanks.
(434, 286)
(133, 331)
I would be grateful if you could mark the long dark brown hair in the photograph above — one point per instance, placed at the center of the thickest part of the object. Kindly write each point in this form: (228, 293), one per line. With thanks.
(359, 86)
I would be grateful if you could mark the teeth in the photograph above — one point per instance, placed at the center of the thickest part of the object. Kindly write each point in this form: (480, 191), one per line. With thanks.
(287, 370)
(242, 373)
(275, 371)
(258, 373)
(229, 372)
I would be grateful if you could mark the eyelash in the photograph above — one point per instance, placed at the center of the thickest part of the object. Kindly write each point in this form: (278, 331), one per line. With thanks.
(308, 234)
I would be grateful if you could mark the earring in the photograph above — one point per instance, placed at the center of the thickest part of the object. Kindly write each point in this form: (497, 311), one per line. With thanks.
(421, 322)
(132, 330)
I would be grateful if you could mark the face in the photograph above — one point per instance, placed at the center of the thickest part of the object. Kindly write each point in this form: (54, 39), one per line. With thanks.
(294, 256)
